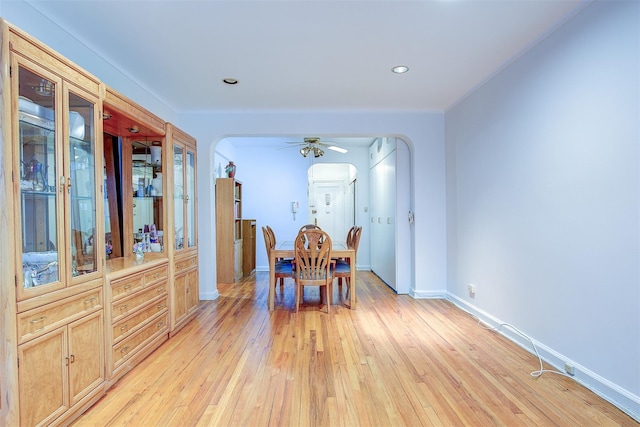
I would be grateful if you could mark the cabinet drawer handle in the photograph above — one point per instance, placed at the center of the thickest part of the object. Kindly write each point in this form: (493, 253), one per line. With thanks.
(72, 358)
(160, 289)
(160, 307)
(126, 287)
(179, 266)
(38, 319)
(124, 307)
(90, 300)
(124, 350)
(156, 275)
(160, 324)
(124, 327)
(188, 290)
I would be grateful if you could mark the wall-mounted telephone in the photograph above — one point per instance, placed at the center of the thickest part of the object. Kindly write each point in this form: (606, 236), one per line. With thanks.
(294, 209)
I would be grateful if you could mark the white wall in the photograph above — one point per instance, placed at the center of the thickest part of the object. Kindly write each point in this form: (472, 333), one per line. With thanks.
(543, 198)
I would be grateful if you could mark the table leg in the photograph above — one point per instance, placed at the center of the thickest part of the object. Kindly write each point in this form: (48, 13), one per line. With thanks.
(352, 282)
(272, 282)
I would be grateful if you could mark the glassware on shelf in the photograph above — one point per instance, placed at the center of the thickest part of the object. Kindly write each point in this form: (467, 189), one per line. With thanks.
(34, 178)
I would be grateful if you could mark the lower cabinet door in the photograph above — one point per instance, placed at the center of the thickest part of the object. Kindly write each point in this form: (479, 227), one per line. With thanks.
(42, 369)
(192, 291)
(86, 355)
(180, 295)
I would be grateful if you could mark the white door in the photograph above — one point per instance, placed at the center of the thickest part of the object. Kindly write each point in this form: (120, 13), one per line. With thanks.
(327, 208)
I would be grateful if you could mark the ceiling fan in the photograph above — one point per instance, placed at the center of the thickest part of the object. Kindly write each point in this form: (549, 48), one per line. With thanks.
(315, 147)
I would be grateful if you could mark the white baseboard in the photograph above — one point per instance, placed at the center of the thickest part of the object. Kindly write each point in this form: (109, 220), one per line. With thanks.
(428, 295)
(209, 296)
(616, 395)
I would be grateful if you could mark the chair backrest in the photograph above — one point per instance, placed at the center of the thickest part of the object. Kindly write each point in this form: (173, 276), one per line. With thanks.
(350, 235)
(312, 256)
(272, 235)
(308, 227)
(269, 241)
(355, 239)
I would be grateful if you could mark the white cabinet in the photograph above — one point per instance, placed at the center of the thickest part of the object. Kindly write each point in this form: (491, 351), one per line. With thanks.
(389, 205)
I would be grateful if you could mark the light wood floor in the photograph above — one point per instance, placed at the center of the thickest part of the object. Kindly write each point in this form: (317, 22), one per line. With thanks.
(394, 361)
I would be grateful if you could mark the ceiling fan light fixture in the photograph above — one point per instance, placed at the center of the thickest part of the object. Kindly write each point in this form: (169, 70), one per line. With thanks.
(305, 151)
(400, 69)
(230, 81)
(317, 152)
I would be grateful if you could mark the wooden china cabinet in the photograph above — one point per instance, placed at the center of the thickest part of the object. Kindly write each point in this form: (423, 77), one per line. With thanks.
(86, 176)
(183, 247)
(53, 118)
(137, 287)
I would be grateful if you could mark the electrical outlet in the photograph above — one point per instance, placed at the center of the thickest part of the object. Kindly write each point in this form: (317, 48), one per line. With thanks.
(569, 368)
(471, 289)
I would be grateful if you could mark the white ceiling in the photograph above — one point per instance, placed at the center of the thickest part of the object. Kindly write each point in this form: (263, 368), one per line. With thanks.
(305, 54)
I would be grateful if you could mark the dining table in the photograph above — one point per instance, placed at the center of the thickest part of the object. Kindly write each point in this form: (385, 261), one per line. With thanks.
(338, 250)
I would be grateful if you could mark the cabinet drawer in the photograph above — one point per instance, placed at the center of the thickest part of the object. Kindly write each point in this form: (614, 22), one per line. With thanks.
(130, 324)
(127, 286)
(132, 344)
(38, 321)
(156, 275)
(129, 305)
(186, 263)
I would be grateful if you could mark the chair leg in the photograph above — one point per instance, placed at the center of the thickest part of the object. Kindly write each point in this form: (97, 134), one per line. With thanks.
(328, 298)
(297, 297)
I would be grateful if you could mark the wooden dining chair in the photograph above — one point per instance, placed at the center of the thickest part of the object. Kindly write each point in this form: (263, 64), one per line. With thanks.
(308, 227)
(274, 242)
(312, 264)
(342, 268)
(283, 266)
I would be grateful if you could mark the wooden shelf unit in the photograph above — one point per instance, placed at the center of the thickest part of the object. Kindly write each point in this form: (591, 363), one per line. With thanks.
(248, 246)
(228, 230)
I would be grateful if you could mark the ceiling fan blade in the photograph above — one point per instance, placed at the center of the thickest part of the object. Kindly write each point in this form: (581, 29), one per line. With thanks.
(336, 148)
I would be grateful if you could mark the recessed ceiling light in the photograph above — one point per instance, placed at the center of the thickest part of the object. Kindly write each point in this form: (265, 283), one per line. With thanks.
(230, 81)
(400, 69)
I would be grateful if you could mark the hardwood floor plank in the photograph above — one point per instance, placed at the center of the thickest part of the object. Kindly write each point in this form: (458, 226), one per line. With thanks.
(395, 361)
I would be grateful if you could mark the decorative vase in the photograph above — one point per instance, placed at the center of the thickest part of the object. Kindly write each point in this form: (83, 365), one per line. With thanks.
(230, 170)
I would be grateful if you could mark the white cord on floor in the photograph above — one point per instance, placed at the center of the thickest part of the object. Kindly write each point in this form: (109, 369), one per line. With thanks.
(534, 374)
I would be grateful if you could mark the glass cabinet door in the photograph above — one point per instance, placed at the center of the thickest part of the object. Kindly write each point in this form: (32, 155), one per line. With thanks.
(39, 165)
(190, 176)
(184, 197)
(82, 185)
(178, 197)
(55, 158)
